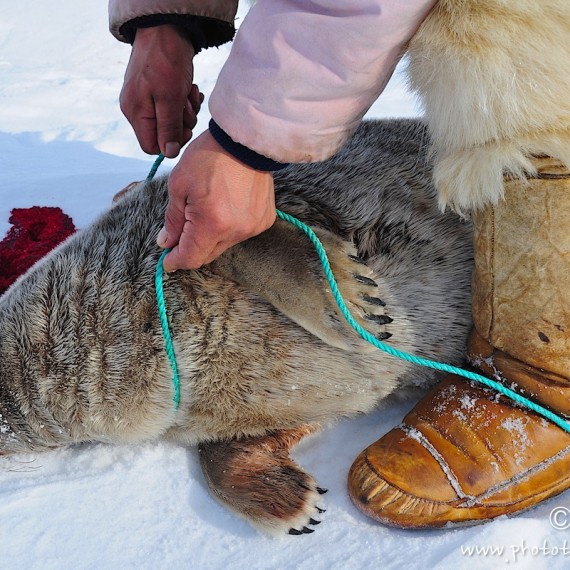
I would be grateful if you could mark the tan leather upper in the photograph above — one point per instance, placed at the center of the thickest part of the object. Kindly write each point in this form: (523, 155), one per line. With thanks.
(521, 285)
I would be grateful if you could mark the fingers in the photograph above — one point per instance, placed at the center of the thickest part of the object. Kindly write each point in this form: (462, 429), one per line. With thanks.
(189, 114)
(202, 240)
(162, 126)
(195, 98)
(169, 126)
(199, 244)
(174, 222)
(140, 113)
(202, 237)
(145, 131)
(195, 248)
(175, 121)
(215, 201)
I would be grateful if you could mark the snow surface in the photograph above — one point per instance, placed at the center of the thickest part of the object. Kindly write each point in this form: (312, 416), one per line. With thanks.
(114, 507)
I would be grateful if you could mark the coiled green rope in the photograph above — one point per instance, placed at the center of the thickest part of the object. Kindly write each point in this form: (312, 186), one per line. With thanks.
(559, 421)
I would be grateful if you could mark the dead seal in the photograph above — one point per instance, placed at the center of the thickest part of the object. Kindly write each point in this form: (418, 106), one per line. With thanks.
(263, 353)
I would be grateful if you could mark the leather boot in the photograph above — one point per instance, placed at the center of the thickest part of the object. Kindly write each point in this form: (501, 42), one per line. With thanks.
(464, 454)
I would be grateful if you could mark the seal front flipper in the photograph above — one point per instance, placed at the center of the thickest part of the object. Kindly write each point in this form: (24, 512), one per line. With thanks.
(282, 266)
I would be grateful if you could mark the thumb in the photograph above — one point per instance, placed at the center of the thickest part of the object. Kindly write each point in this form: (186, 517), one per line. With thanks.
(174, 220)
(169, 125)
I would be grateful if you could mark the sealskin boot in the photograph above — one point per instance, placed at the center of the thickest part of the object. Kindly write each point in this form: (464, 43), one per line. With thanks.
(464, 454)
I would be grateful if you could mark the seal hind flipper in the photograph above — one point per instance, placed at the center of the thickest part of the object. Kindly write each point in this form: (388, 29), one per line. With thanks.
(256, 478)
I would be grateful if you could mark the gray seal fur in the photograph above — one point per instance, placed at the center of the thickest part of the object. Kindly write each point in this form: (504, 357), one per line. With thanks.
(261, 348)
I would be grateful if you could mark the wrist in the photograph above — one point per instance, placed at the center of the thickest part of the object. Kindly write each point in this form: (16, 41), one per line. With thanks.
(163, 35)
(242, 153)
(201, 31)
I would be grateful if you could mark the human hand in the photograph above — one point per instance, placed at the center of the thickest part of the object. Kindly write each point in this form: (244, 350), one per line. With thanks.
(158, 97)
(215, 201)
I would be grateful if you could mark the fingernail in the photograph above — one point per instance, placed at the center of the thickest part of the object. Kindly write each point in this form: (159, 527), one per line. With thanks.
(171, 149)
(167, 267)
(162, 237)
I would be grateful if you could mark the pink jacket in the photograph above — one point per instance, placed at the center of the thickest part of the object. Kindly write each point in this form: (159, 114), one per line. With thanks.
(299, 77)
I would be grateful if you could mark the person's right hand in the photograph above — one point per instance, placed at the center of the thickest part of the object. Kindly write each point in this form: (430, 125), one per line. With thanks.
(214, 202)
(158, 97)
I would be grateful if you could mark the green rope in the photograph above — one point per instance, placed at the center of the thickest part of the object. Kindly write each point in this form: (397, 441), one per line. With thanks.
(559, 421)
(155, 166)
(158, 283)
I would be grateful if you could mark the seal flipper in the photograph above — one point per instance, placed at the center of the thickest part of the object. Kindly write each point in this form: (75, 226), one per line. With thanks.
(282, 266)
(257, 479)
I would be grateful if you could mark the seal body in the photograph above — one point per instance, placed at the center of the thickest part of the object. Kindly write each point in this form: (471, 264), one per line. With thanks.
(261, 348)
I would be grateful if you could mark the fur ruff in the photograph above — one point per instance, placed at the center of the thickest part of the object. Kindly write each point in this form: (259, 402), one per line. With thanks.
(494, 79)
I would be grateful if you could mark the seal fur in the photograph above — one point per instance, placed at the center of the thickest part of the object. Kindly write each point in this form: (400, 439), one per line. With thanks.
(263, 354)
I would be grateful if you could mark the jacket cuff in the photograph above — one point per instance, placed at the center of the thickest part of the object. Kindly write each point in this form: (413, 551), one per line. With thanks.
(242, 153)
(202, 32)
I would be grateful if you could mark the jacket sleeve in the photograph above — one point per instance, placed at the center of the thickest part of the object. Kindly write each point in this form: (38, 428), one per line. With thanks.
(301, 76)
(209, 22)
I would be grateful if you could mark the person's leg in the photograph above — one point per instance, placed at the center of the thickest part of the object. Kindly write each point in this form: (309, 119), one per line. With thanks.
(463, 454)
(494, 77)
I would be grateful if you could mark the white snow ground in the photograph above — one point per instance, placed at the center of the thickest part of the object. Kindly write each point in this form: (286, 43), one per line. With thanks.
(116, 507)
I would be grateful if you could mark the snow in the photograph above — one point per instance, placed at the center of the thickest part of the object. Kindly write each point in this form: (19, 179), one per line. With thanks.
(63, 142)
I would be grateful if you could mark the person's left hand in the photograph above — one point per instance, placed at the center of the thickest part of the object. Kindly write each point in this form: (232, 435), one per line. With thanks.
(158, 97)
(215, 201)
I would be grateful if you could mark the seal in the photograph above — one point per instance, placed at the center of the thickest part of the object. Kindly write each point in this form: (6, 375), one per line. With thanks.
(264, 355)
